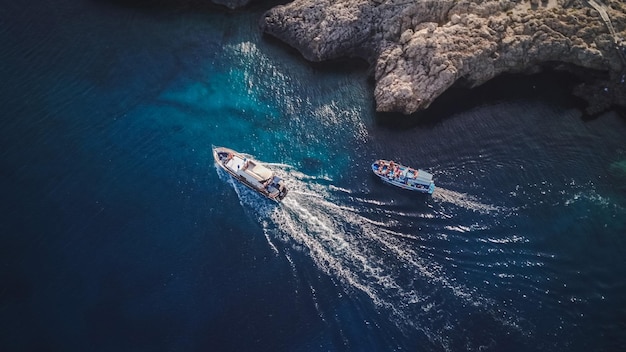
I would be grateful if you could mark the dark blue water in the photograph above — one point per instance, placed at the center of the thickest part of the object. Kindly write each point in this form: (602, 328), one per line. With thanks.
(117, 232)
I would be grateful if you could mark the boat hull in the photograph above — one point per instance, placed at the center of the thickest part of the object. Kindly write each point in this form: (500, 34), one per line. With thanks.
(404, 177)
(251, 173)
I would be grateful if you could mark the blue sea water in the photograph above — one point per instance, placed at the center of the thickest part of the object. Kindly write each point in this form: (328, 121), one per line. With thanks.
(118, 233)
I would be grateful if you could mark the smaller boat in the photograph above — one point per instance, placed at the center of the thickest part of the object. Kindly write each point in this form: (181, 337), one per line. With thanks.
(251, 173)
(404, 176)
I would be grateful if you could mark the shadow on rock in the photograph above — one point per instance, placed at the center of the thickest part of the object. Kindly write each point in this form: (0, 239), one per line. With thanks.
(550, 86)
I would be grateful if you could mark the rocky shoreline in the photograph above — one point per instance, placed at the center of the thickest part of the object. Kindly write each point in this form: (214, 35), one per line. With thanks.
(420, 48)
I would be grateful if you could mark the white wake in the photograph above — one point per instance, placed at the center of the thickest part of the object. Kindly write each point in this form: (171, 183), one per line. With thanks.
(364, 254)
(464, 200)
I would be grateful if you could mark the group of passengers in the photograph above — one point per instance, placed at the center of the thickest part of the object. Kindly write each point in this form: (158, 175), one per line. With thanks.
(393, 170)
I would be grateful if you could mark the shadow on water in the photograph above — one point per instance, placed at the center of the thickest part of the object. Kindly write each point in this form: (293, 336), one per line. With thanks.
(345, 66)
(162, 5)
(549, 86)
(189, 5)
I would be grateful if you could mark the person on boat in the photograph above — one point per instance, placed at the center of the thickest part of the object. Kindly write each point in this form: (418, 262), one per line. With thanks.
(384, 168)
(397, 172)
(391, 169)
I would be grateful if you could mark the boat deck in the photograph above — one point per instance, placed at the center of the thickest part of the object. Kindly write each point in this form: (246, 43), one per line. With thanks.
(235, 163)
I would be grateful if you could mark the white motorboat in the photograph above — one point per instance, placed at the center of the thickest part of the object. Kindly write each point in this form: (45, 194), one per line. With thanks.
(251, 173)
(404, 176)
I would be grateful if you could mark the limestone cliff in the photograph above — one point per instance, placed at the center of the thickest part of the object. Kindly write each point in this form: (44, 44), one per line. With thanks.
(419, 48)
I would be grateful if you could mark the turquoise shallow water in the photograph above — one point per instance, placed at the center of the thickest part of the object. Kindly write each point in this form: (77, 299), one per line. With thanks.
(119, 233)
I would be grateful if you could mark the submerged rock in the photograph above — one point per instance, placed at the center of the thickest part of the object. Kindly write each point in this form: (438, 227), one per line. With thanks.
(420, 48)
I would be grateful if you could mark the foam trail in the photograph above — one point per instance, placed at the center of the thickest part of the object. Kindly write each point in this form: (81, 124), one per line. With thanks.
(361, 253)
(464, 200)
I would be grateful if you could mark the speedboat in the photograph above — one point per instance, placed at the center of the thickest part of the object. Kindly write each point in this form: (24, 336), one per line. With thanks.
(251, 173)
(404, 176)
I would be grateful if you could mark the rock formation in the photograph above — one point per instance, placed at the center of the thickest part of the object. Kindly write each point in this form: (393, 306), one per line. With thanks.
(420, 48)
